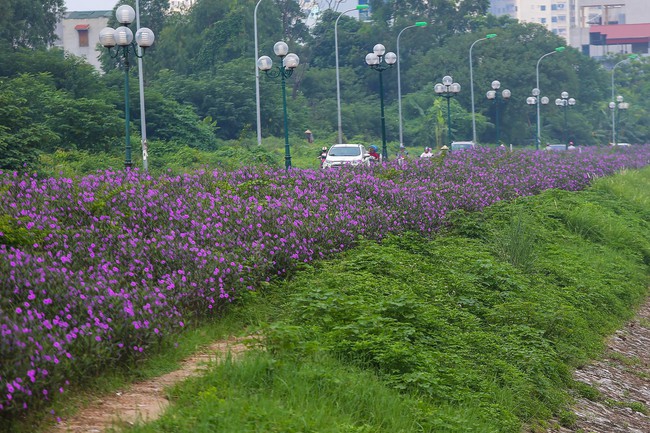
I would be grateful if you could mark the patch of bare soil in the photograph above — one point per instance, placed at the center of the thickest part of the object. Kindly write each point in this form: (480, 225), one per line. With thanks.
(622, 379)
(145, 401)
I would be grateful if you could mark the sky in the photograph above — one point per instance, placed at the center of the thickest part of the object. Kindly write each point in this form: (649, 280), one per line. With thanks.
(90, 5)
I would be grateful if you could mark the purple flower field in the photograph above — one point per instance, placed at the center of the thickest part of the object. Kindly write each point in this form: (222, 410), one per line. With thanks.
(95, 271)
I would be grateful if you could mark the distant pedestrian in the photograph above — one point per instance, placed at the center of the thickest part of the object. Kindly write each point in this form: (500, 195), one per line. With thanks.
(309, 136)
(427, 153)
(373, 151)
(322, 156)
(402, 154)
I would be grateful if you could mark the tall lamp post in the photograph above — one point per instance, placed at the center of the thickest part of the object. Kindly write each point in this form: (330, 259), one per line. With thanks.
(630, 57)
(143, 118)
(565, 102)
(399, 80)
(616, 108)
(338, 81)
(493, 95)
(447, 89)
(539, 117)
(471, 81)
(257, 78)
(122, 37)
(380, 60)
(288, 62)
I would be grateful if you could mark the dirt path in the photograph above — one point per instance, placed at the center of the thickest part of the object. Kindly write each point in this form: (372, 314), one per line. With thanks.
(144, 401)
(622, 379)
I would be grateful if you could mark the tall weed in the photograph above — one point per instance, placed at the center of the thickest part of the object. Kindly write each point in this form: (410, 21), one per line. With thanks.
(516, 242)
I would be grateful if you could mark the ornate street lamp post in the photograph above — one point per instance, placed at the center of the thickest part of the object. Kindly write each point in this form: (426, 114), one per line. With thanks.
(336, 55)
(493, 95)
(399, 80)
(471, 81)
(122, 37)
(565, 102)
(288, 62)
(380, 60)
(447, 89)
(616, 112)
(532, 100)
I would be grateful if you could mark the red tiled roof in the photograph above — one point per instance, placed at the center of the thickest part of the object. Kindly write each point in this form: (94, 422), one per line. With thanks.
(623, 33)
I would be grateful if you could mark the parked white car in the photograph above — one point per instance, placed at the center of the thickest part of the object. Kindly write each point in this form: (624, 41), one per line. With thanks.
(462, 145)
(342, 154)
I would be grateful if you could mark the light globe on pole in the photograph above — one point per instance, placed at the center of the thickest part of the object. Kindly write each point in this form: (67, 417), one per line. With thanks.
(447, 89)
(288, 63)
(497, 98)
(123, 39)
(380, 60)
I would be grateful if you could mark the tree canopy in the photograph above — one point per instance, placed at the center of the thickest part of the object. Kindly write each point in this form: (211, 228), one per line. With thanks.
(30, 23)
(200, 79)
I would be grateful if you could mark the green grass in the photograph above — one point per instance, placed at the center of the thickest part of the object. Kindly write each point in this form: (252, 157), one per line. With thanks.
(266, 393)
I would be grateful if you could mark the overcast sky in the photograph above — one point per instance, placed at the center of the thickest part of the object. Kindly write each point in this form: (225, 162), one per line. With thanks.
(90, 5)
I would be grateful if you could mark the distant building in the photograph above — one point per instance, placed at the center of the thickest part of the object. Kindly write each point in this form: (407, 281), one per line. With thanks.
(572, 19)
(180, 5)
(78, 34)
(314, 8)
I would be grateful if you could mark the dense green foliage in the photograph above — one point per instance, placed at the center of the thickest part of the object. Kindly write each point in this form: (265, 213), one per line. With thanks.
(200, 83)
(476, 330)
(29, 23)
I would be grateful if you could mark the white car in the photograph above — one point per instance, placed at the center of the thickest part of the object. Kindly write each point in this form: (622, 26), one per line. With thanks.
(344, 154)
(462, 145)
(556, 147)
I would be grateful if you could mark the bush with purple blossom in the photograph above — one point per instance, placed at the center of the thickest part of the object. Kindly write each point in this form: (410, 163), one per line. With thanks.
(94, 271)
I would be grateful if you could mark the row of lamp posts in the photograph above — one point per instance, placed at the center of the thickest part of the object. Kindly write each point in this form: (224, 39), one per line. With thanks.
(125, 44)
(564, 102)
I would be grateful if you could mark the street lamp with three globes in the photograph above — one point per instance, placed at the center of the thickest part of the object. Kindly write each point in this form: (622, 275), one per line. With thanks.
(122, 40)
(380, 60)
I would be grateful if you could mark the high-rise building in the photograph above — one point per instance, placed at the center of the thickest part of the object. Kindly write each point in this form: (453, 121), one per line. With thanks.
(574, 19)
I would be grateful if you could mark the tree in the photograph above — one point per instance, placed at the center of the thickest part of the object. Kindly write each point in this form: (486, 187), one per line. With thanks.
(30, 23)
(20, 136)
(70, 73)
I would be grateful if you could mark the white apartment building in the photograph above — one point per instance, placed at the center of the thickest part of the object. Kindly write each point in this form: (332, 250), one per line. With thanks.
(572, 19)
(78, 34)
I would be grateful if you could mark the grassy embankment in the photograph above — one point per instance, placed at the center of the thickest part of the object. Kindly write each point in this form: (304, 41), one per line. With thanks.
(164, 157)
(477, 330)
